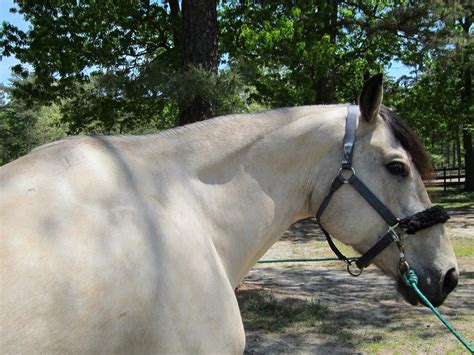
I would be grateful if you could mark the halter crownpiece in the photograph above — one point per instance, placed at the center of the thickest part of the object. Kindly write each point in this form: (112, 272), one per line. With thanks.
(409, 225)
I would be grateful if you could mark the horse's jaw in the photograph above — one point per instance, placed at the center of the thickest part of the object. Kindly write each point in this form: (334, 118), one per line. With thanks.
(407, 292)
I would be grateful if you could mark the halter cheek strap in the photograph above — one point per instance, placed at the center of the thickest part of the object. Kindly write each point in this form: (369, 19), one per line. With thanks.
(347, 175)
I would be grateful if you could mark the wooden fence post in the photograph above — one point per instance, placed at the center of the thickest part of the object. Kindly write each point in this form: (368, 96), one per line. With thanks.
(444, 178)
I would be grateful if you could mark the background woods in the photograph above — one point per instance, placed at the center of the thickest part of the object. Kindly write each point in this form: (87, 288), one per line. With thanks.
(138, 66)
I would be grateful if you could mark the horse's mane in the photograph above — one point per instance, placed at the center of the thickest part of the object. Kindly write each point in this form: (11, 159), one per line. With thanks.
(410, 141)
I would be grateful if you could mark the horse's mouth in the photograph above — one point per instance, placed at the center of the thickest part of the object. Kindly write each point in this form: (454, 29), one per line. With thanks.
(412, 297)
(408, 293)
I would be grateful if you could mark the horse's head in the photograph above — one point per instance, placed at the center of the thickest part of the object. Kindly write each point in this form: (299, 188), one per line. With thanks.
(391, 162)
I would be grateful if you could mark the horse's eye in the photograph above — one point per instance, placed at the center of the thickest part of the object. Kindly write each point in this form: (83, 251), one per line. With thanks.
(398, 168)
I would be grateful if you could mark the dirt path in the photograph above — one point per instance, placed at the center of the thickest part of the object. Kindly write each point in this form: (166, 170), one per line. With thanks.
(318, 308)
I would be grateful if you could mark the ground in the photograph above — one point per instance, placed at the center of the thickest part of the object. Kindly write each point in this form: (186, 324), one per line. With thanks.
(319, 308)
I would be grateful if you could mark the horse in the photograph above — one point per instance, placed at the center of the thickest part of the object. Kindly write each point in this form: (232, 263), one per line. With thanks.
(135, 244)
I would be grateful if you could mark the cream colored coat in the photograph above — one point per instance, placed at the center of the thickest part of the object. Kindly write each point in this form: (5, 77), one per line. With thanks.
(136, 244)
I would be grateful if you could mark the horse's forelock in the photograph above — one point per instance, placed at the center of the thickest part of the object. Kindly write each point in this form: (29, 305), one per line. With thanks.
(410, 142)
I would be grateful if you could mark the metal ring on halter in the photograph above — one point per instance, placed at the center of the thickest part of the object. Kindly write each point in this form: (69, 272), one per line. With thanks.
(403, 266)
(353, 273)
(346, 179)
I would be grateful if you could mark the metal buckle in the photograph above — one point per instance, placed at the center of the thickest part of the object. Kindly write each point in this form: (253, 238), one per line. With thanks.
(402, 264)
(345, 179)
(393, 228)
(395, 232)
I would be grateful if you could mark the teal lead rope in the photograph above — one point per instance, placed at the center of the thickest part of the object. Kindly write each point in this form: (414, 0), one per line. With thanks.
(295, 260)
(410, 279)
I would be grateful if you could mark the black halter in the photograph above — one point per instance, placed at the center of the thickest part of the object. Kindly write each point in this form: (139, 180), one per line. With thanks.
(409, 225)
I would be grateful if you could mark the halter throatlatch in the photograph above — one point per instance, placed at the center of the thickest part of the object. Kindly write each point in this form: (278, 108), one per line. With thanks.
(396, 227)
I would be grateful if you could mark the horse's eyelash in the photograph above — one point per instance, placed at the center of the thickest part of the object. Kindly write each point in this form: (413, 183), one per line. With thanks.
(398, 168)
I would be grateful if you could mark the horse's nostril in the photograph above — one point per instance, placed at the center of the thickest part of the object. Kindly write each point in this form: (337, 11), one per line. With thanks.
(450, 281)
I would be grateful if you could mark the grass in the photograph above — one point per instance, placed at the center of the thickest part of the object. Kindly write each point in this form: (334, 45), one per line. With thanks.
(373, 342)
(452, 198)
(463, 246)
(261, 310)
(340, 328)
(458, 350)
(264, 311)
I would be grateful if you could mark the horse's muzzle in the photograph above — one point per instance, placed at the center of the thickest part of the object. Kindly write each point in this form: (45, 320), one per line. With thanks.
(435, 294)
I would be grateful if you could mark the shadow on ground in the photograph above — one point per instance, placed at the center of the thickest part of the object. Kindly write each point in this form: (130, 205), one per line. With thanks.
(318, 309)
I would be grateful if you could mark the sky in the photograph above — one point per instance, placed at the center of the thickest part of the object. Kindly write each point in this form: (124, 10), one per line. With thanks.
(7, 62)
(396, 70)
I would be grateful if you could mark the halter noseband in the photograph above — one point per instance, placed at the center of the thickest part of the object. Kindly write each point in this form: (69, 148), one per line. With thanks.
(409, 225)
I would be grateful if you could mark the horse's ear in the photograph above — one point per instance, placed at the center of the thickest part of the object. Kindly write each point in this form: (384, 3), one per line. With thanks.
(371, 98)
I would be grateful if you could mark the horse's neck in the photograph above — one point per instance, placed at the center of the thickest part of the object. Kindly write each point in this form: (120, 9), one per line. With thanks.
(257, 176)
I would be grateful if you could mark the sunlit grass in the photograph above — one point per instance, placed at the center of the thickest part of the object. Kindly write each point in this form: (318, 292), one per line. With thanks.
(463, 246)
(452, 198)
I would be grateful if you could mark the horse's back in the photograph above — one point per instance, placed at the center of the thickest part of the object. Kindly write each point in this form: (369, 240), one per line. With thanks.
(90, 262)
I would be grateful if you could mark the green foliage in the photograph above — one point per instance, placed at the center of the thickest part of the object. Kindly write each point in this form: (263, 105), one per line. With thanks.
(225, 91)
(92, 59)
(111, 66)
(115, 67)
(304, 52)
(22, 128)
(434, 98)
(102, 107)
(272, 45)
(110, 104)
(432, 105)
(68, 39)
(16, 125)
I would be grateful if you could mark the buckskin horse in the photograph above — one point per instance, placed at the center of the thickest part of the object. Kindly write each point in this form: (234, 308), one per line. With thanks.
(136, 244)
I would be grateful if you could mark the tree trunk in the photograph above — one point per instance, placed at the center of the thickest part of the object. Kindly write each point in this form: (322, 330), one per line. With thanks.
(458, 148)
(466, 98)
(177, 24)
(199, 50)
(325, 90)
(468, 160)
(325, 86)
